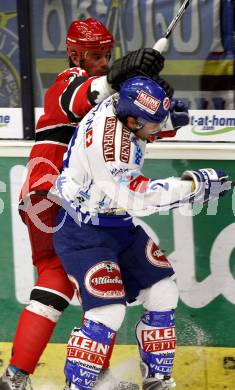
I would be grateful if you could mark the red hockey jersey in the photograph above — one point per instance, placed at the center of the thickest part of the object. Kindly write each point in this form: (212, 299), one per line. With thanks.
(66, 102)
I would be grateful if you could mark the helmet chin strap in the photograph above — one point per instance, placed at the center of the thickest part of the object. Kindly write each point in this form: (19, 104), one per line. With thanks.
(135, 129)
(71, 63)
(138, 126)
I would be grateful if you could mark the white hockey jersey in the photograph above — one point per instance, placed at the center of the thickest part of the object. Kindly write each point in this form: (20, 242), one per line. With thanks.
(102, 180)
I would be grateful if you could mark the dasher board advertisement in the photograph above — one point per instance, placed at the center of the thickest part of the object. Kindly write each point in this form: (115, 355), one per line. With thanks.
(200, 247)
(11, 123)
(208, 125)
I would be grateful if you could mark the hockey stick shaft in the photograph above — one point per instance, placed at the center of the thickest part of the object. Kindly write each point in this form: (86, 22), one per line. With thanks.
(177, 17)
(161, 44)
(231, 183)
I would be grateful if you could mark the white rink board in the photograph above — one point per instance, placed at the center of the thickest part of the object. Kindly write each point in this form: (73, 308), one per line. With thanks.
(205, 125)
(11, 123)
(208, 125)
(158, 150)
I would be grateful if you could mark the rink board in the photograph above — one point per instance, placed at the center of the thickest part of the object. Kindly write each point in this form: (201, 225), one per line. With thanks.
(196, 368)
(201, 248)
(204, 263)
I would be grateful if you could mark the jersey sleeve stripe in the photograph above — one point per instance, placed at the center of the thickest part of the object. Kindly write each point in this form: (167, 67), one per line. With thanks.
(81, 98)
(67, 97)
(61, 134)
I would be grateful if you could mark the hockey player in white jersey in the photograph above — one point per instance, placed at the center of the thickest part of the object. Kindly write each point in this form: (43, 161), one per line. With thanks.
(112, 261)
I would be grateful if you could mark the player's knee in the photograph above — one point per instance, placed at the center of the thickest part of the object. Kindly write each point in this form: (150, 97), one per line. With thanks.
(44, 311)
(52, 276)
(161, 296)
(111, 316)
(47, 304)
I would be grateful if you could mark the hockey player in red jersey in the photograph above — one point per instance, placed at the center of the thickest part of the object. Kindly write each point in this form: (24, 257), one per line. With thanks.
(75, 91)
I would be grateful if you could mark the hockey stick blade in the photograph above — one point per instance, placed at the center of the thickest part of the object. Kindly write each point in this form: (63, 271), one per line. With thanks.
(161, 44)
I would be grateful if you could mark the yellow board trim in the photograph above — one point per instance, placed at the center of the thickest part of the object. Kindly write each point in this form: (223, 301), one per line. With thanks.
(54, 65)
(172, 67)
(196, 368)
(198, 67)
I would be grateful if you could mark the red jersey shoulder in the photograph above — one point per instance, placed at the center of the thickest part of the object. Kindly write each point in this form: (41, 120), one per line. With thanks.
(71, 72)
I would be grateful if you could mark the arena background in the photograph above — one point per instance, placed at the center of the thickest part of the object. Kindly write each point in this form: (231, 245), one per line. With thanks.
(200, 66)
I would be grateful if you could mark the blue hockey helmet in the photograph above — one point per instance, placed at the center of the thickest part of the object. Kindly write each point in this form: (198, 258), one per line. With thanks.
(141, 97)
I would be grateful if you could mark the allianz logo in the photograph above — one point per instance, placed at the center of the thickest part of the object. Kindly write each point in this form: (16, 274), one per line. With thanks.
(4, 120)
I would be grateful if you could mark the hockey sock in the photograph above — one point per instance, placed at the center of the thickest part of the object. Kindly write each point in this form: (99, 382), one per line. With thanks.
(110, 351)
(87, 351)
(156, 338)
(32, 335)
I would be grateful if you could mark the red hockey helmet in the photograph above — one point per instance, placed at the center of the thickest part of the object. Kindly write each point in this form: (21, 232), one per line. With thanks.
(89, 34)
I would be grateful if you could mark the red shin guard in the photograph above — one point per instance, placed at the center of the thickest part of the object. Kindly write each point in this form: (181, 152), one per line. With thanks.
(32, 335)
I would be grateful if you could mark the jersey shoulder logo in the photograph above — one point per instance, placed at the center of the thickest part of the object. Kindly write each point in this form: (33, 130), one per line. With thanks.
(125, 146)
(109, 138)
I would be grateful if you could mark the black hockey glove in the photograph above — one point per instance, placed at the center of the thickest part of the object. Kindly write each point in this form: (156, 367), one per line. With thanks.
(147, 62)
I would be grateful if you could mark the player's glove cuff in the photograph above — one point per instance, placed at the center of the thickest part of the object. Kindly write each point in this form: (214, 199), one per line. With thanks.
(179, 114)
(209, 183)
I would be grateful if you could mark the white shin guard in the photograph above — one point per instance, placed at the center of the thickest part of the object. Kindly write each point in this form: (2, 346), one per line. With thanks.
(155, 332)
(111, 316)
(156, 338)
(161, 296)
(87, 350)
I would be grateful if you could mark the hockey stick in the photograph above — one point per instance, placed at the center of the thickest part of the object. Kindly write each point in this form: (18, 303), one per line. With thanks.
(161, 44)
(231, 183)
